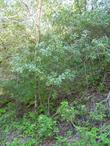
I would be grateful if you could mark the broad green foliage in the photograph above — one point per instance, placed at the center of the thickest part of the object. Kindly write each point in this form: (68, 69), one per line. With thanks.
(78, 114)
(15, 132)
(67, 113)
(2, 111)
(94, 136)
(99, 112)
(33, 129)
(62, 141)
(90, 135)
(46, 126)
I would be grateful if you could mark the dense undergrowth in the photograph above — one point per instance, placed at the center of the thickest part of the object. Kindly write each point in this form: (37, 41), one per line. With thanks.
(73, 125)
(55, 73)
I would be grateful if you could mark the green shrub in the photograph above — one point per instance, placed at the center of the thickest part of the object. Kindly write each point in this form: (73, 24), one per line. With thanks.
(62, 141)
(93, 137)
(67, 112)
(99, 112)
(46, 126)
(2, 111)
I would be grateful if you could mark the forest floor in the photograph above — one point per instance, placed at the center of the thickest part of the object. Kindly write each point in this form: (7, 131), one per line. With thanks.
(10, 129)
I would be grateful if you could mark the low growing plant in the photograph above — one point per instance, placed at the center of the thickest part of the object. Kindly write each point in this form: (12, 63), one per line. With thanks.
(46, 126)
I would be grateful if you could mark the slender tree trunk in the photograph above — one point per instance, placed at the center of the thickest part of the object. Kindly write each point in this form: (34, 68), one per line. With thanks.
(38, 37)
